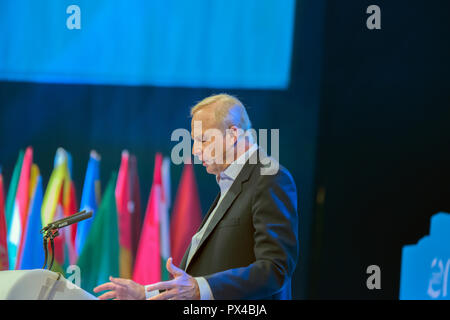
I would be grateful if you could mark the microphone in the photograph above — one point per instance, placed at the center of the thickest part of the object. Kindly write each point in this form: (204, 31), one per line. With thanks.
(76, 217)
(51, 231)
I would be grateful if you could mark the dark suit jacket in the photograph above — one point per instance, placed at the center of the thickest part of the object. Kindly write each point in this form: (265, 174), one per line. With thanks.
(250, 248)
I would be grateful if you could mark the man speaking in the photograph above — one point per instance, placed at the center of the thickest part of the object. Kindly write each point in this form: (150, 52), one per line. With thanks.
(247, 244)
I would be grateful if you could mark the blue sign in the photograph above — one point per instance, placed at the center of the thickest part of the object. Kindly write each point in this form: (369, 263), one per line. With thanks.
(425, 267)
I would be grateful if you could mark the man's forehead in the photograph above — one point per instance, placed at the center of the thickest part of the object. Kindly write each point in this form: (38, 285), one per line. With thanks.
(202, 121)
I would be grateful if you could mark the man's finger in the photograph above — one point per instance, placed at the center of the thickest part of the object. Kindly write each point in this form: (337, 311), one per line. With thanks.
(164, 285)
(164, 296)
(119, 281)
(172, 269)
(105, 286)
(108, 295)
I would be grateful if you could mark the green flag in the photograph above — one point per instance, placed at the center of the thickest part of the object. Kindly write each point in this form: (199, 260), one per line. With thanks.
(12, 190)
(99, 257)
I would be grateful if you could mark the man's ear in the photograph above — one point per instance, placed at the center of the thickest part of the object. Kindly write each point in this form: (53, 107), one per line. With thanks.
(234, 133)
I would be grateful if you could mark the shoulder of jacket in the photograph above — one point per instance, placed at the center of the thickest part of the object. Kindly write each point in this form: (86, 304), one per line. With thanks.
(270, 170)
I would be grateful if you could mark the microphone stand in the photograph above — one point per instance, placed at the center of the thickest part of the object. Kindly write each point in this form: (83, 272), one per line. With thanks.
(51, 233)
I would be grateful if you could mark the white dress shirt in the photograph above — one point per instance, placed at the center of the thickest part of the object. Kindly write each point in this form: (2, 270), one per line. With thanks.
(225, 179)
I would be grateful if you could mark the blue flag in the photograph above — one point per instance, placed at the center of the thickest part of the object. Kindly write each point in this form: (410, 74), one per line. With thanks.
(33, 250)
(89, 199)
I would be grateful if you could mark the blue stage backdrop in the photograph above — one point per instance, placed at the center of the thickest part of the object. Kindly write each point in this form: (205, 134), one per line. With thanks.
(199, 43)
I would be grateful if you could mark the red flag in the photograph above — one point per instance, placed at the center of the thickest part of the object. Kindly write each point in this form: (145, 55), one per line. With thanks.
(3, 244)
(60, 241)
(186, 214)
(135, 209)
(70, 208)
(122, 193)
(20, 212)
(147, 268)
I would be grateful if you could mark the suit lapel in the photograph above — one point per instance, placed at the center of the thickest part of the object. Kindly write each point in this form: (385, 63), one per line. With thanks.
(231, 195)
(183, 261)
(186, 253)
(209, 211)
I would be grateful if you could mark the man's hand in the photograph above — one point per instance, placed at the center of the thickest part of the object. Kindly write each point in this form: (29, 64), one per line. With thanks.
(182, 287)
(121, 289)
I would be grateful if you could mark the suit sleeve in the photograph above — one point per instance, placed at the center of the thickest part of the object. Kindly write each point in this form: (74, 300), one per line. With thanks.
(275, 221)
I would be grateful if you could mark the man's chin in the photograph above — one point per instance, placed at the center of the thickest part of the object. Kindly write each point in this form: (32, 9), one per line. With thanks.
(210, 169)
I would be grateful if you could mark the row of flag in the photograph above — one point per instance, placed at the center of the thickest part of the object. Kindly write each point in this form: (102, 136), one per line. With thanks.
(114, 242)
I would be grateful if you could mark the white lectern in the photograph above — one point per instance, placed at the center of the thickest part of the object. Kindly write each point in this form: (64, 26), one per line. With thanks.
(39, 284)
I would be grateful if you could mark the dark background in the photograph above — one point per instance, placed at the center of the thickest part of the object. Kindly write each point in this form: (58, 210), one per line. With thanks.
(365, 120)
(383, 146)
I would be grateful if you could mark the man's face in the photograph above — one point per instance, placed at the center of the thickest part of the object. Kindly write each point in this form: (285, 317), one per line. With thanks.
(209, 141)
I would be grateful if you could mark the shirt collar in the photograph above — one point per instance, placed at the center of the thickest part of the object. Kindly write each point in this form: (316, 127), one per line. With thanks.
(232, 171)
